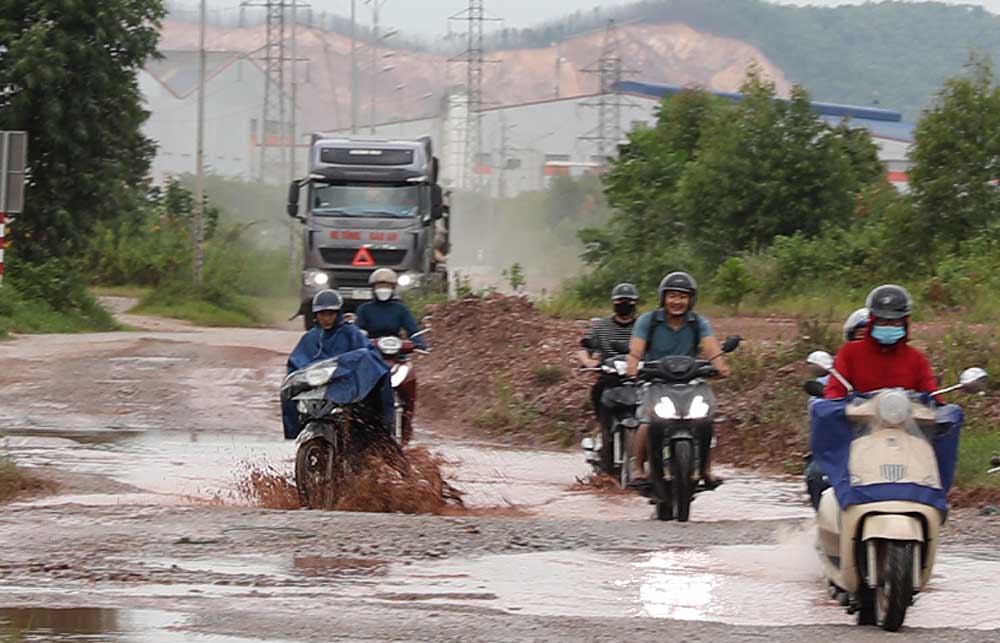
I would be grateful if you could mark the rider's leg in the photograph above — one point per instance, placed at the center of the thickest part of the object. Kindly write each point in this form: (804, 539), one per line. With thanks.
(639, 451)
(705, 445)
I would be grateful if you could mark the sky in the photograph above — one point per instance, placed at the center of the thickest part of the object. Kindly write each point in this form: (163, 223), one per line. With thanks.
(430, 17)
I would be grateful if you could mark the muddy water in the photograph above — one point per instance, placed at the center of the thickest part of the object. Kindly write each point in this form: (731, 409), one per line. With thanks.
(169, 467)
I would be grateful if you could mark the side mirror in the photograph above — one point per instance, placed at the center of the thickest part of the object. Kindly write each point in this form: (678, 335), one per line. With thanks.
(732, 343)
(814, 388)
(350, 318)
(293, 199)
(973, 380)
(437, 202)
(820, 359)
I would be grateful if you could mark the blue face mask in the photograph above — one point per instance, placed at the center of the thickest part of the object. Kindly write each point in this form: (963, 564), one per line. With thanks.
(888, 335)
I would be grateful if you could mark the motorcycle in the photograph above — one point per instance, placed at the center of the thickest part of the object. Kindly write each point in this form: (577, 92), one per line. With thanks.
(680, 407)
(335, 439)
(878, 524)
(396, 352)
(611, 453)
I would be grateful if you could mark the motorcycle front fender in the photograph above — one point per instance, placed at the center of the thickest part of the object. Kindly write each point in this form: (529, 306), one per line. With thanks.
(892, 527)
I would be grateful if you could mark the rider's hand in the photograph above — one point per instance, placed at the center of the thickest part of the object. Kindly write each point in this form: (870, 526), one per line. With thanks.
(590, 362)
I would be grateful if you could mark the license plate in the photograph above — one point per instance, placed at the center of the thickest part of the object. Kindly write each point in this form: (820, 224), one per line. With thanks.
(359, 293)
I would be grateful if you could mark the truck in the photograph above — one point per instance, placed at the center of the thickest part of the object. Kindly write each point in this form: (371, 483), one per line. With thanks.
(370, 203)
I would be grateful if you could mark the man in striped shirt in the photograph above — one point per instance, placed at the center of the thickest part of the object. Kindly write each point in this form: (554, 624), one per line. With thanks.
(598, 345)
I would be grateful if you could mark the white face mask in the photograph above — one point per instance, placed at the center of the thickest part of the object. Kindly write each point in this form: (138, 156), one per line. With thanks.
(383, 294)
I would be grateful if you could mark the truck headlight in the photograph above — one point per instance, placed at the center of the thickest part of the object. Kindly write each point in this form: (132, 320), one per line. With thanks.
(406, 280)
(315, 278)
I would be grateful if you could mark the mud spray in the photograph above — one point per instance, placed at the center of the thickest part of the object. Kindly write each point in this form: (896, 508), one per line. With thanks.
(385, 486)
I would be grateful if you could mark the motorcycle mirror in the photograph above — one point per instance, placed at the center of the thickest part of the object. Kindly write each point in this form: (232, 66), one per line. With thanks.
(821, 359)
(814, 388)
(587, 444)
(350, 318)
(973, 380)
(731, 344)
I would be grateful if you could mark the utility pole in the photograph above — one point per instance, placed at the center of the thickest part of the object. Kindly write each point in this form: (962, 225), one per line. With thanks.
(293, 140)
(375, 70)
(199, 182)
(354, 67)
(273, 124)
(505, 148)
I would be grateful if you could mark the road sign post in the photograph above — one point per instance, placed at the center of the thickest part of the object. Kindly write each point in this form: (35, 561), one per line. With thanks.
(13, 165)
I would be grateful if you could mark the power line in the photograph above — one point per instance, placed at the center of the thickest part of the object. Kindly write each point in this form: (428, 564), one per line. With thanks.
(610, 71)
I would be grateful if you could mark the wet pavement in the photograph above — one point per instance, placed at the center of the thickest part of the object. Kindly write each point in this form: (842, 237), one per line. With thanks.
(164, 423)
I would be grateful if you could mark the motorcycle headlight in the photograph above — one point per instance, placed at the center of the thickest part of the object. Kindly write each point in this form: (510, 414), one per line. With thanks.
(665, 409)
(319, 376)
(389, 345)
(315, 278)
(894, 408)
(699, 408)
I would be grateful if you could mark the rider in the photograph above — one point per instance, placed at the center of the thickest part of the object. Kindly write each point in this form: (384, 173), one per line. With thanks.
(855, 329)
(328, 338)
(386, 314)
(598, 345)
(884, 358)
(673, 329)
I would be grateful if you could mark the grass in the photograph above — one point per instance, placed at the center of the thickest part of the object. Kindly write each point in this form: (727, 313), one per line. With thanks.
(235, 311)
(14, 480)
(549, 374)
(135, 292)
(979, 443)
(21, 315)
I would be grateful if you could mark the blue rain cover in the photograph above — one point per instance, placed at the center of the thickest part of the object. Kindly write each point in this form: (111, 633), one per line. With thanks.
(832, 434)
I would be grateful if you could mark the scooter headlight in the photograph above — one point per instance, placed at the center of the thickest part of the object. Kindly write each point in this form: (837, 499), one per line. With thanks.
(894, 408)
(319, 376)
(389, 345)
(699, 408)
(665, 409)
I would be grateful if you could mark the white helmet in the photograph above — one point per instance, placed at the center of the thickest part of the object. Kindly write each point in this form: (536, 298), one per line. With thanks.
(856, 320)
(384, 276)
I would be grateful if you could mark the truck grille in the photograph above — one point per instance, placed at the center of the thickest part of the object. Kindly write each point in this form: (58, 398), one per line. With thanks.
(353, 279)
(344, 256)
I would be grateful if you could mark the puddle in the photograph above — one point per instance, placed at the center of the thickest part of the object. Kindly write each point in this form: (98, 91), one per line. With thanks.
(723, 584)
(72, 625)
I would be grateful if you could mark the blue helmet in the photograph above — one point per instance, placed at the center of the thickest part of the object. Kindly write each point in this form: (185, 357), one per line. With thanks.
(327, 300)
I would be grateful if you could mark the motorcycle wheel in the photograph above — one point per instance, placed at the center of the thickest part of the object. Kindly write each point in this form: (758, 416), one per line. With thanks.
(680, 484)
(313, 464)
(661, 487)
(895, 589)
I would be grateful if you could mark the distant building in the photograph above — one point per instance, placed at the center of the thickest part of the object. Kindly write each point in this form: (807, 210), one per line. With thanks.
(524, 145)
(234, 93)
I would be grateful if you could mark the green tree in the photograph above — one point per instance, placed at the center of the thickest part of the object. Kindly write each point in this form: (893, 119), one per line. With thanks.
(68, 72)
(768, 168)
(732, 283)
(956, 157)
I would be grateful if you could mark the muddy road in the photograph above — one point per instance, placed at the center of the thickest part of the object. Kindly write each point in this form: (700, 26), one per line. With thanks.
(149, 433)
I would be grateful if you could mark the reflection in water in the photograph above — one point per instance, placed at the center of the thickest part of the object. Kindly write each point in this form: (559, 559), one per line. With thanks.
(676, 585)
(82, 620)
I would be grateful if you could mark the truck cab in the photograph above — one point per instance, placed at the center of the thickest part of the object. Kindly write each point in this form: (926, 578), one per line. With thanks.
(369, 204)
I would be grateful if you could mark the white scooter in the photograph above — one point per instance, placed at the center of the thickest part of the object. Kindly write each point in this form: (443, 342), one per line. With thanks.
(877, 556)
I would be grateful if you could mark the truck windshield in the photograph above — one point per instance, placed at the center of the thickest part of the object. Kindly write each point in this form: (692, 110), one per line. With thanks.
(366, 200)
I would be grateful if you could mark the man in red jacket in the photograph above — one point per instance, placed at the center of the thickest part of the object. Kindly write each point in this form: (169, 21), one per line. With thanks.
(883, 359)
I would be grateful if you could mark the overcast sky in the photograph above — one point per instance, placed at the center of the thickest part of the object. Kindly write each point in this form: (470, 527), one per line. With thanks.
(430, 17)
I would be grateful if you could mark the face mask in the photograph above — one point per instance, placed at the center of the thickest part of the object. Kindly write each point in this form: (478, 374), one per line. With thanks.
(888, 335)
(624, 309)
(383, 294)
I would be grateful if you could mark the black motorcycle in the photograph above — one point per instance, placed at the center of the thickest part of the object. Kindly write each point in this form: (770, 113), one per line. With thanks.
(611, 454)
(335, 439)
(679, 406)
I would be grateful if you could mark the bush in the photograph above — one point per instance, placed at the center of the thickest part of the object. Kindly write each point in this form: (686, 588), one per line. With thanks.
(49, 297)
(732, 283)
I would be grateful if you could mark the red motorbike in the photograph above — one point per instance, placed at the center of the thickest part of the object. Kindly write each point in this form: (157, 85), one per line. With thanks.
(397, 353)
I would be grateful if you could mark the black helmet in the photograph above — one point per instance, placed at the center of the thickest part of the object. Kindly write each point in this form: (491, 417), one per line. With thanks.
(680, 281)
(625, 291)
(890, 302)
(327, 300)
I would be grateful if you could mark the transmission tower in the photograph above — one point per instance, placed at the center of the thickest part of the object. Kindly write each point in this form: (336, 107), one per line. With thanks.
(610, 71)
(473, 59)
(273, 158)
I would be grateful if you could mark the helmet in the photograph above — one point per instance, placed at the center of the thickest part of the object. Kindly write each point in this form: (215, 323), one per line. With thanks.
(856, 320)
(680, 281)
(625, 291)
(890, 302)
(327, 300)
(383, 275)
